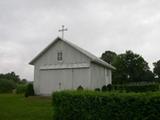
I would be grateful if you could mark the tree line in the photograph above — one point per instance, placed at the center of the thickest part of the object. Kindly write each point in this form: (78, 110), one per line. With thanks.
(10, 81)
(131, 68)
(12, 76)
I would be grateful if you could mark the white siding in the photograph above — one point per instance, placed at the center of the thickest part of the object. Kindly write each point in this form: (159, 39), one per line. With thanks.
(51, 75)
(64, 79)
(55, 80)
(36, 80)
(70, 56)
(99, 76)
(108, 76)
(81, 77)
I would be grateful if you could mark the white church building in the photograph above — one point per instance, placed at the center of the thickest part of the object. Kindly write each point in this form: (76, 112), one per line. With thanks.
(64, 66)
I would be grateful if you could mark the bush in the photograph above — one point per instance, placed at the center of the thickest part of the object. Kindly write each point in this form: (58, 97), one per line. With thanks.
(97, 89)
(104, 88)
(29, 90)
(86, 105)
(137, 88)
(21, 88)
(6, 86)
(80, 88)
(109, 87)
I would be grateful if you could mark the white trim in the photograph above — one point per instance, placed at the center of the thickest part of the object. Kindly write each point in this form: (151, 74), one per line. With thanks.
(64, 66)
(105, 74)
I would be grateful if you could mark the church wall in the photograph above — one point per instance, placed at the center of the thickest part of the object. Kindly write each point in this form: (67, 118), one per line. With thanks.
(94, 76)
(70, 56)
(36, 84)
(81, 77)
(109, 77)
(99, 76)
(62, 79)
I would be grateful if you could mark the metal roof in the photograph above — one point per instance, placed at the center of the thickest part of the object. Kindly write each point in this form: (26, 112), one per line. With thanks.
(88, 54)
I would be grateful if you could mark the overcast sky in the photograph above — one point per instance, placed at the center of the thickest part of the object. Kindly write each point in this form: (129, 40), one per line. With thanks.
(27, 26)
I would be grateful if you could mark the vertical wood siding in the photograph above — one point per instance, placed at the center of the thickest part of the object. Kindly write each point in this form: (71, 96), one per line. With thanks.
(45, 81)
(99, 76)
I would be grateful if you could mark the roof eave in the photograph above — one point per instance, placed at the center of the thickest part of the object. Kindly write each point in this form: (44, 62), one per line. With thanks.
(107, 66)
(35, 58)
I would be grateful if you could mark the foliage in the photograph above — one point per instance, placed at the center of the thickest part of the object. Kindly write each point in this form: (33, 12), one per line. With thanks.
(156, 68)
(137, 88)
(8, 82)
(17, 107)
(23, 81)
(108, 56)
(21, 88)
(109, 87)
(6, 86)
(87, 105)
(80, 88)
(130, 67)
(148, 76)
(10, 76)
(104, 88)
(29, 90)
(97, 89)
(13, 77)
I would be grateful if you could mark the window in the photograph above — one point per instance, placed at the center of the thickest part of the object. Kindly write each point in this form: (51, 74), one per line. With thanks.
(59, 56)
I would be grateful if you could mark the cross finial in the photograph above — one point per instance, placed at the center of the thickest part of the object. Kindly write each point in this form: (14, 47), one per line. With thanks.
(62, 30)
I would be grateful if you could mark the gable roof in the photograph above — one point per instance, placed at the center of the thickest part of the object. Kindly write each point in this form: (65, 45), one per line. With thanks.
(91, 56)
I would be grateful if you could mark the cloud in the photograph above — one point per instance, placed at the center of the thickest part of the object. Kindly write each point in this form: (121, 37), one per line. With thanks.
(27, 26)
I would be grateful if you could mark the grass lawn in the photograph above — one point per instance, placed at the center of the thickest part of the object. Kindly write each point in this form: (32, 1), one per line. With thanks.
(17, 107)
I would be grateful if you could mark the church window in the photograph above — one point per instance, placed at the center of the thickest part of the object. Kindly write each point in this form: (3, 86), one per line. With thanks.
(59, 56)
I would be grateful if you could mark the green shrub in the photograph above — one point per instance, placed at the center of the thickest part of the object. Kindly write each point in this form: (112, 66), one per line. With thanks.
(29, 90)
(86, 105)
(137, 88)
(109, 87)
(6, 86)
(104, 88)
(97, 89)
(80, 88)
(21, 88)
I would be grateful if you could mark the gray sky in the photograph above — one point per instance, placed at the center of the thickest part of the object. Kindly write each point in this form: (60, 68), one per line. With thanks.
(27, 26)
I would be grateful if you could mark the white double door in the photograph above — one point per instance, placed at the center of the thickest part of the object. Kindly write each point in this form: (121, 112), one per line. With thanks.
(62, 79)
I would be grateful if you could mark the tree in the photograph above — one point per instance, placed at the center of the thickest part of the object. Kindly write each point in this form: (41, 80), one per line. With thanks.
(23, 81)
(148, 76)
(130, 67)
(156, 68)
(29, 90)
(6, 85)
(10, 76)
(108, 56)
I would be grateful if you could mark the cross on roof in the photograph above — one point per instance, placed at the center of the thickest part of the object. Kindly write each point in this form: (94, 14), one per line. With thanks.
(62, 30)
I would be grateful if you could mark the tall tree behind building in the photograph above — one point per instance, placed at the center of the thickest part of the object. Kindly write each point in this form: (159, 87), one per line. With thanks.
(130, 67)
(156, 69)
(108, 56)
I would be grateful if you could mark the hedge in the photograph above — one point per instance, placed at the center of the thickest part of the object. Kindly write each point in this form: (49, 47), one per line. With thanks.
(21, 88)
(86, 105)
(29, 90)
(136, 88)
(7, 86)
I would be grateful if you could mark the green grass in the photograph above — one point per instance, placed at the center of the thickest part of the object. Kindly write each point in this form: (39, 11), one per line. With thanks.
(17, 107)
